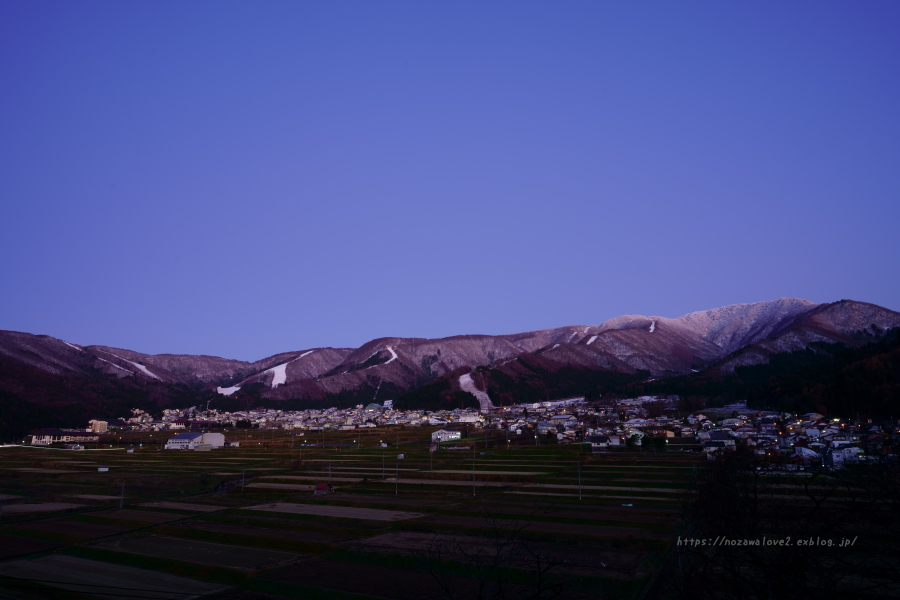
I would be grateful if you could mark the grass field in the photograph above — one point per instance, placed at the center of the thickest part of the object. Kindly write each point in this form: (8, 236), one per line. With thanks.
(243, 523)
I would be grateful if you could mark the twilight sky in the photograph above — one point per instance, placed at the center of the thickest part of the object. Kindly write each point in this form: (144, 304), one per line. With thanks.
(246, 178)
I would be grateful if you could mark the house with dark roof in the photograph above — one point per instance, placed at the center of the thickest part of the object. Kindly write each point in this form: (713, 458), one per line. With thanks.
(323, 488)
(599, 443)
(721, 436)
(712, 448)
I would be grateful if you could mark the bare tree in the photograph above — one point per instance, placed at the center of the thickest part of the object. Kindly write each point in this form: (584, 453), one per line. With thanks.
(761, 534)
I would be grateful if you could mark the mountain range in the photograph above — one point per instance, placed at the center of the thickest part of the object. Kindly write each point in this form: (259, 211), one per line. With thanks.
(50, 371)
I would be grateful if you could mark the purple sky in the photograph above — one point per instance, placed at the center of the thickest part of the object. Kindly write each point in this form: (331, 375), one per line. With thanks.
(246, 178)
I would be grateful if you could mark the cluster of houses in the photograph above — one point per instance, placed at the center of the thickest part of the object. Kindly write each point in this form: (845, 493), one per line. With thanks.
(809, 438)
(372, 415)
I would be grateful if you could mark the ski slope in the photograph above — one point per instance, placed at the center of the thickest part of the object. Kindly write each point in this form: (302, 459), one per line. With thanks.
(468, 385)
(279, 372)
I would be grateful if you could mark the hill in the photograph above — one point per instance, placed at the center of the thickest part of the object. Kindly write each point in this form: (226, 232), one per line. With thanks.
(84, 381)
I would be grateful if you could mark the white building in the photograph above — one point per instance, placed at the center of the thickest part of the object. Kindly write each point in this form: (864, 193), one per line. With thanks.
(190, 441)
(445, 435)
(468, 418)
(98, 426)
(184, 441)
(45, 437)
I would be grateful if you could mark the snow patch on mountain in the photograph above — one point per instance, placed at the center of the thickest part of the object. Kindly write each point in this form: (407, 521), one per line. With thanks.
(115, 365)
(279, 372)
(592, 340)
(72, 346)
(734, 326)
(467, 384)
(390, 360)
(652, 326)
(228, 391)
(137, 366)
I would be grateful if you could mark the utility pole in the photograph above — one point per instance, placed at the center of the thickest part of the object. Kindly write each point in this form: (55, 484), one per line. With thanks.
(579, 480)
(122, 497)
(397, 480)
(243, 479)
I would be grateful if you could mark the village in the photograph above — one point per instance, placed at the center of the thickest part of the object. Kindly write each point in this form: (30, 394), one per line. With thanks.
(644, 423)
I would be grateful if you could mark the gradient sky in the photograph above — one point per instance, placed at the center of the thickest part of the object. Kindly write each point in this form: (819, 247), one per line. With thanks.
(246, 178)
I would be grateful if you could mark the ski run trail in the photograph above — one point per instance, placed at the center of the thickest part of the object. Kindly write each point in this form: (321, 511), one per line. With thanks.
(139, 367)
(468, 385)
(279, 375)
(280, 371)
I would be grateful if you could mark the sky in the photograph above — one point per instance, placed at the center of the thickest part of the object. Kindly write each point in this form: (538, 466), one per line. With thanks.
(245, 178)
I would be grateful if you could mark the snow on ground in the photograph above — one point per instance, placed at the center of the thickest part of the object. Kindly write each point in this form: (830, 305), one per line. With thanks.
(279, 374)
(115, 365)
(393, 355)
(468, 385)
(389, 361)
(228, 391)
(280, 371)
(591, 341)
(555, 346)
(652, 326)
(550, 403)
(368, 357)
(141, 368)
(72, 346)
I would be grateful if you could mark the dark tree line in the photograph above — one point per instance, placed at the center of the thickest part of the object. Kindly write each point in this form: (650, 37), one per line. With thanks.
(825, 378)
(807, 519)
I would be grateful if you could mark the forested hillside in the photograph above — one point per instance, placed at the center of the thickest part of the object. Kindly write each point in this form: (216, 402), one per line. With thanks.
(825, 378)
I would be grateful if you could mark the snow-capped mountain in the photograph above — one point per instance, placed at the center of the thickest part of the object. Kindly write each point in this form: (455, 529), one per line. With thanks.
(729, 336)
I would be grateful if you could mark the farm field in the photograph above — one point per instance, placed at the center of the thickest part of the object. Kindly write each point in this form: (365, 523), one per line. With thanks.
(244, 523)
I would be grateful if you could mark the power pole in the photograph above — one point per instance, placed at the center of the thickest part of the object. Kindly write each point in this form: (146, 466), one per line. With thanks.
(579, 480)
(122, 497)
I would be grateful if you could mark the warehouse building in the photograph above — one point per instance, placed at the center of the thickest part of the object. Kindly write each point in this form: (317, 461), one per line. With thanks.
(191, 441)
